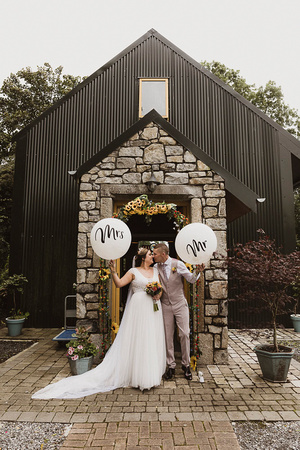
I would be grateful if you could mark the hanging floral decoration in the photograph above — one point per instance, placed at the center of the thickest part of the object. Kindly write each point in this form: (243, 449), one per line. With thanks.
(104, 315)
(194, 317)
(142, 206)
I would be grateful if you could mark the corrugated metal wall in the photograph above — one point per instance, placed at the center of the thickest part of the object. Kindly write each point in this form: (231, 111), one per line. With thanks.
(97, 112)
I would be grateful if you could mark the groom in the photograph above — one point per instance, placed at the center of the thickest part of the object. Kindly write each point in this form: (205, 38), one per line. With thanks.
(175, 306)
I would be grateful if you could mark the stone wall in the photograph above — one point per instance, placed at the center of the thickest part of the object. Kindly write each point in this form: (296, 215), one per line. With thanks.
(122, 175)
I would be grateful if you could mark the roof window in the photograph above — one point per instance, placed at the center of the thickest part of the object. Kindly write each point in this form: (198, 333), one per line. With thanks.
(153, 95)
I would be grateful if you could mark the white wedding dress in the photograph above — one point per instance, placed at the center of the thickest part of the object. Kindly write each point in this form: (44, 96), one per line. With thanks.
(136, 358)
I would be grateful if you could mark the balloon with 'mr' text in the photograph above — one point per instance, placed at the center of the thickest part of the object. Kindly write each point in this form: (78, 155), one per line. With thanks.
(110, 238)
(196, 243)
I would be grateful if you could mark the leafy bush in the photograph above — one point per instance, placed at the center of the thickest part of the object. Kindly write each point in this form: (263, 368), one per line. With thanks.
(261, 272)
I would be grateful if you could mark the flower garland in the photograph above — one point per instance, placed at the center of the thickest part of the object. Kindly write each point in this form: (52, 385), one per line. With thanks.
(194, 319)
(104, 316)
(142, 206)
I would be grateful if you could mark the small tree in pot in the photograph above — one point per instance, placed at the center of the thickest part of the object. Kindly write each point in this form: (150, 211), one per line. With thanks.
(9, 286)
(263, 273)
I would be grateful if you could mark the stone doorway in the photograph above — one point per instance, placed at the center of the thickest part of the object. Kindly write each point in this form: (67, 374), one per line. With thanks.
(160, 229)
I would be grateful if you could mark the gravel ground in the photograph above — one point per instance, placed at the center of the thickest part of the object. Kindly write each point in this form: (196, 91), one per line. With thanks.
(49, 436)
(9, 348)
(268, 435)
(32, 436)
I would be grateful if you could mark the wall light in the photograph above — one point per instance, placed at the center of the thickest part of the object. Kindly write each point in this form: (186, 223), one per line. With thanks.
(152, 183)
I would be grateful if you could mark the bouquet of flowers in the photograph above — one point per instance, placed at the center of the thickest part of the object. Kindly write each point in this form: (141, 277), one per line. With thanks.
(153, 289)
(81, 346)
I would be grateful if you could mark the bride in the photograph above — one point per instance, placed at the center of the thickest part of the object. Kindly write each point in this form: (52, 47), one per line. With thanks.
(137, 357)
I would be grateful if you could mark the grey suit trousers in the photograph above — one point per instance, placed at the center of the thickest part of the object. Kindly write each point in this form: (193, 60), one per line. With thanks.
(179, 312)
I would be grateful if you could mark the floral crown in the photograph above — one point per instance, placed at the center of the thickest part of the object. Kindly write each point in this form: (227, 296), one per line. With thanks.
(141, 250)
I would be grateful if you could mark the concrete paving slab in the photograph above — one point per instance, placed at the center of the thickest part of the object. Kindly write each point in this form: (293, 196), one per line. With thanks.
(230, 392)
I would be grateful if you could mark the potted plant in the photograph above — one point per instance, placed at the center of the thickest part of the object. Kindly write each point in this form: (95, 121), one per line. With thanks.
(296, 294)
(263, 276)
(81, 352)
(9, 286)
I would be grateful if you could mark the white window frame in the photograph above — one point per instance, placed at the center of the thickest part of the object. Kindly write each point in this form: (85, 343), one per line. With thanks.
(166, 112)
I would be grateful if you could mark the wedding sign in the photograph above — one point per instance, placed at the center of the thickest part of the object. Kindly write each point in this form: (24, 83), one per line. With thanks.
(110, 238)
(196, 243)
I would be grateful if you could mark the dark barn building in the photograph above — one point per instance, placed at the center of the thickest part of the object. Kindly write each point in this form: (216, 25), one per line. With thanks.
(256, 157)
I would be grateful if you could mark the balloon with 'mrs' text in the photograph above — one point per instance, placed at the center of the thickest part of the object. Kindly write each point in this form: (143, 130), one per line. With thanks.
(196, 243)
(110, 238)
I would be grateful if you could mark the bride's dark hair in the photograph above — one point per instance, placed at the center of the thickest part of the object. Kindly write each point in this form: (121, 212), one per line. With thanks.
(140, 256)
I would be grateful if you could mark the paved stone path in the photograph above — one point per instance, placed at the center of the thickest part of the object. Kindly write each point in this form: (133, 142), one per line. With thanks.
(177, 414)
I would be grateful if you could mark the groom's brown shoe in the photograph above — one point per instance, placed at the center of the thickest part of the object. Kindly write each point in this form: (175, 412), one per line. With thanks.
(169, 374)
(187, 372)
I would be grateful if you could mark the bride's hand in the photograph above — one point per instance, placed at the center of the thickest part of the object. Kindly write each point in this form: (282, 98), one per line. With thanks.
(111, 265)
(157, 296)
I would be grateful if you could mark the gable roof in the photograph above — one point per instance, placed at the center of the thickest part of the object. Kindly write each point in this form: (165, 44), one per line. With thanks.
(240, 196)
(225, 126)
(153, 33)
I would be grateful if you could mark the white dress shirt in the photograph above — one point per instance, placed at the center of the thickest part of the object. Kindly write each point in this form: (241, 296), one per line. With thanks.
(181, 270)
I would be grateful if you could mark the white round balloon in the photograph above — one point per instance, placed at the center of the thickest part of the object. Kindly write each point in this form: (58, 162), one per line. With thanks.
(110, 238)
(196, 243)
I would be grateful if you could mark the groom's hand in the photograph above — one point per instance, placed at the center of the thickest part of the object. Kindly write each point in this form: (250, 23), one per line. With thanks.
(200, 268)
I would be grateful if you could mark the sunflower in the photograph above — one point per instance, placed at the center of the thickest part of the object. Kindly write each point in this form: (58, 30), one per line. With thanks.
(115, 327)
(104, 273)
(193, 363)
(190, 267)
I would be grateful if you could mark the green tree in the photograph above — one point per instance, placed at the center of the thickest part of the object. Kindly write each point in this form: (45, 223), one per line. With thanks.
(297, 215)
(6, 185)
(23, 97)
(268, 99)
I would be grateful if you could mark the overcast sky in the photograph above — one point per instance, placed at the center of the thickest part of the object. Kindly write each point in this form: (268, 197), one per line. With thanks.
(258, 37)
